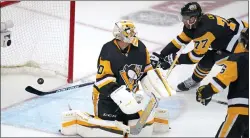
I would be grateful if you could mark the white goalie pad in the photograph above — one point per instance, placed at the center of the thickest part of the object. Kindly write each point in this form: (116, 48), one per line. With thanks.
(161, 121)
(155, 83)
(75, 122)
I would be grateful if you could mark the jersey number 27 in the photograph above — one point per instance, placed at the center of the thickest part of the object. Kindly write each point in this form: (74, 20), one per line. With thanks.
(222, 22)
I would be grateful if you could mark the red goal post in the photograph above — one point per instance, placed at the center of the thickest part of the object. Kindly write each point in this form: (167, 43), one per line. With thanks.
(42, 38)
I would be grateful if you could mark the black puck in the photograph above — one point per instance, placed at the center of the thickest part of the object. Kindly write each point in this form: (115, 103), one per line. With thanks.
(40, 81)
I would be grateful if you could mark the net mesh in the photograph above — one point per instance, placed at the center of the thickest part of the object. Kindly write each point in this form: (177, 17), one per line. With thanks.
(40, 38)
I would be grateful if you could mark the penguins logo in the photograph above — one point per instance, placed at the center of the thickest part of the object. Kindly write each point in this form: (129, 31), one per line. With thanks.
(130, 75)
(192, 7)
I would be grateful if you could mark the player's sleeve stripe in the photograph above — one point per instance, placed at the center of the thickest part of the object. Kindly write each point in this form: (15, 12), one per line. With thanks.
(216, 83)
(233, 41)
(176, 43)
(184, 37)
(220, 83)
(148, 67)
(235, 101)
(194, 57)
(103, 77)
(182, 41)
(105, 81)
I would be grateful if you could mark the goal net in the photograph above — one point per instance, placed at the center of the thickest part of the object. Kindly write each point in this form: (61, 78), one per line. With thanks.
(42, 38)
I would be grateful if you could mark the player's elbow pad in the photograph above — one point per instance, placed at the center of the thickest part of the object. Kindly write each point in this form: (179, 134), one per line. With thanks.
(125, 100)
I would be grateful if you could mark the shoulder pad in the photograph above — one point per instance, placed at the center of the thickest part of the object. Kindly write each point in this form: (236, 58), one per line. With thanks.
(107, 48)
(141, 44)
(207, 22)
(209, 19)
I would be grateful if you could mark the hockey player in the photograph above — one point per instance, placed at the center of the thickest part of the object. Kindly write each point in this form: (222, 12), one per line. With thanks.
(214, 38)
(234, 74)
(122, 63)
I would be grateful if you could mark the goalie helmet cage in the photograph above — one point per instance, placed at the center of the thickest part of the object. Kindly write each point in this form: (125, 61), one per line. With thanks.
(42, 38)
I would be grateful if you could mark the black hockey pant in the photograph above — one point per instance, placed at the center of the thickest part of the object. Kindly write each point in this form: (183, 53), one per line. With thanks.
(109, 110)
(234, 126)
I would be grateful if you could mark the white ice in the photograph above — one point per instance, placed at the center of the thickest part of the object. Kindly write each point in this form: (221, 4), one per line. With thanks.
(94, 22)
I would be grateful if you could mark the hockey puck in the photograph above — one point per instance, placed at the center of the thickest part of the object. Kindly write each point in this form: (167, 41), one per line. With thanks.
(40, 81)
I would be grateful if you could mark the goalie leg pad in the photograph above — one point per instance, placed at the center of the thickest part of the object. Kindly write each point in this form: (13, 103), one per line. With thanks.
(147, 129)
(161, 121)
(155, 83)
(79, 123)
(69, 125)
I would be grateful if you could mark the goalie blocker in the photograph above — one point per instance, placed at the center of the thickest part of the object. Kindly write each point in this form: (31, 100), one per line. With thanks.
(79, 123)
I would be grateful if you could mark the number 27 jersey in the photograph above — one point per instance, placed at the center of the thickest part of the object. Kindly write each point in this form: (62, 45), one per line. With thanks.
(212, 32)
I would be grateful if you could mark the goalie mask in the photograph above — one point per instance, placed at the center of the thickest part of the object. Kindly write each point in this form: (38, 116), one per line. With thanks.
(125, 31)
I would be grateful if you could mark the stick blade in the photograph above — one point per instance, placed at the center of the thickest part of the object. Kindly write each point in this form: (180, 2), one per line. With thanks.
(34, 91)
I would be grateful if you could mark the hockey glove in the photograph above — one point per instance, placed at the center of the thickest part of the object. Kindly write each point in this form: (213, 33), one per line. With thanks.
(158, 60)
(204, 94)
(168, 60)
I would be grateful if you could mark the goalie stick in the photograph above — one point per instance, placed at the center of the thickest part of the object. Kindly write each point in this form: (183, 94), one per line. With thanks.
(32, 90)
(136, 129)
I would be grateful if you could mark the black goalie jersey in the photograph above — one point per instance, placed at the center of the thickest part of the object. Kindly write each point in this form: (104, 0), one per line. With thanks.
(118, 67)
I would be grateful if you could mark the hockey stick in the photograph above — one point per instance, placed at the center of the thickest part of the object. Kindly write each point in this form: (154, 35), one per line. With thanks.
(32, 90)
(219, 102)
(174, 62)
(152, 103)
(136, 129)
